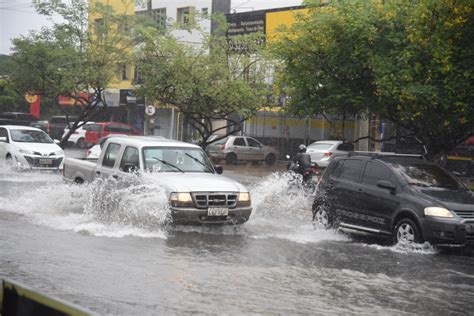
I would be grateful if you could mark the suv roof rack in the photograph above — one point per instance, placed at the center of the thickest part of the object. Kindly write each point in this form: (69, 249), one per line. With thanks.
(376, 154)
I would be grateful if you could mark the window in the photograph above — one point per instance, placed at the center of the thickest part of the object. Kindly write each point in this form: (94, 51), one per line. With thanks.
(205, 12)
(110, 155)
(126, 129)
(159, 17)
(336, 171)
(123, 72)
(94, 127)
(350, 169)
(345, 147)
(239, 142)
(185, 15)
(99, 27)
(113, 128)
(374, 172)
(130, 157)
(3, 135)
(253, 143)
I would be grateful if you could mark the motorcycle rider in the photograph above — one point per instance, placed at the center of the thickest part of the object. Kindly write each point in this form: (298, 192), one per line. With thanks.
(300, 163)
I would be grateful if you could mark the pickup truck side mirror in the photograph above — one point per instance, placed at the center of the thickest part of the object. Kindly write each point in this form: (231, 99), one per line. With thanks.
(384, 184)
(218, 169)
(130, 168)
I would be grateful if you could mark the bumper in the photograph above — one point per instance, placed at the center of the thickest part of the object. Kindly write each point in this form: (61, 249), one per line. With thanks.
(216, 155)
(193, 216)
(449, 232)
(322, 163)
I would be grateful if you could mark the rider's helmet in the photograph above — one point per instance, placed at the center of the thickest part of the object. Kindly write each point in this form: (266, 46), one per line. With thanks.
(301, 148)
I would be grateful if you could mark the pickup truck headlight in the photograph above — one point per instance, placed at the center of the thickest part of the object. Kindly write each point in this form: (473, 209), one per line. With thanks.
(59, 153)
(181, 199)
(244, 199)
(438, 212)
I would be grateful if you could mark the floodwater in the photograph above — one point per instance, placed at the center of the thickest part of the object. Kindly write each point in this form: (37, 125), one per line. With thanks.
(108, 248)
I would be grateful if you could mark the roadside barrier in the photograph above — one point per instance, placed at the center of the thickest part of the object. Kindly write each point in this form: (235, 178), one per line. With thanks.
(16, 299)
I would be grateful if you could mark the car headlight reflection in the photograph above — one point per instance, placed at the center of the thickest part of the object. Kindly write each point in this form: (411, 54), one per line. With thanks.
(59, 153)
(244, 199)
(181, 199)
(438, 212)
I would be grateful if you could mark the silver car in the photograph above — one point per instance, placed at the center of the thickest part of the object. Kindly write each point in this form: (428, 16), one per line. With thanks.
(235, 148)
(323, 151)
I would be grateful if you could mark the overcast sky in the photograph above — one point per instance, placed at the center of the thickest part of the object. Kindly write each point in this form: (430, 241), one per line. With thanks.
(17, 17)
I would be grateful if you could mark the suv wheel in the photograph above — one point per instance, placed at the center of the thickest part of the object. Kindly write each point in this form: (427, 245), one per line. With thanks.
(321, 217)
(407, 231)
(231, 159)
(270, 159)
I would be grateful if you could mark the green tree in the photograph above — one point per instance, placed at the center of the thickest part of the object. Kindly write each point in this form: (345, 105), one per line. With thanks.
(409, 62)
(73, 58)
(209, 84)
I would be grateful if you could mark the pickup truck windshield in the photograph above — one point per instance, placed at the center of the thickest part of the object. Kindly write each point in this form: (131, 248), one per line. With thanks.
(29, 136)
(176, 159)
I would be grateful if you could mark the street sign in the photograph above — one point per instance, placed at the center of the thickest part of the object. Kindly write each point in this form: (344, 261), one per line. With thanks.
(150, 110)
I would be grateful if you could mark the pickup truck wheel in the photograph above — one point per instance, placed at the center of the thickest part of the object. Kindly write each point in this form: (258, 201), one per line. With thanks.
(231, 159)
(407, 231)
(9, 160)
(270, 159)
(78, 181)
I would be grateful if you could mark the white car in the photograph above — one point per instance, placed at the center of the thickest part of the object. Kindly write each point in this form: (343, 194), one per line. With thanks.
(323, 151)
(77, 138)
(27, 147)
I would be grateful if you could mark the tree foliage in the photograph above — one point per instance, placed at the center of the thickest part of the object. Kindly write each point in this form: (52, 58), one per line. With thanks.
(411, 62)
(73, 57)
(209, 83)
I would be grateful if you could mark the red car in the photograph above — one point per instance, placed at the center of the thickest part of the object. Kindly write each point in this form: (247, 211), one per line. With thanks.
(98, 130)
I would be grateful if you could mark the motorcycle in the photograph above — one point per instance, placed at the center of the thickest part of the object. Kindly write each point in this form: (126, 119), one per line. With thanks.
(303, 178)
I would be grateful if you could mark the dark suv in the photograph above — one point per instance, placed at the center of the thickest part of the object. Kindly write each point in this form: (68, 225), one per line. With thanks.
(57, 124)
(402, 197)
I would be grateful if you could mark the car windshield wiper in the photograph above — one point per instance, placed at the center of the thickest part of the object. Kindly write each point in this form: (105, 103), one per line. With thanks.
(419, 184)
(168, 164)
(198, 161)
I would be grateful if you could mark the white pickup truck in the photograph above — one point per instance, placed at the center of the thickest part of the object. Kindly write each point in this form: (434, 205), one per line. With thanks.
(197, 193)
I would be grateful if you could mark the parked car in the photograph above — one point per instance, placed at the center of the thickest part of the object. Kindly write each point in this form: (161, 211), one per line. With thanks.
(399, 196)
(235, 148)
(57, 124)
(101, 129)
(27, 147)
(323, 151)
(42, 125)
(17, 118)
(78, 137)
(196, 191)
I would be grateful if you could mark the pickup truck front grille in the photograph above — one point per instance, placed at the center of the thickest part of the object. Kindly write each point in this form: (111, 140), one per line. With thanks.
(214, 199)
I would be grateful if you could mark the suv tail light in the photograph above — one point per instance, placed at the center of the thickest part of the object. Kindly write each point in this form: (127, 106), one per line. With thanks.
(328, 154)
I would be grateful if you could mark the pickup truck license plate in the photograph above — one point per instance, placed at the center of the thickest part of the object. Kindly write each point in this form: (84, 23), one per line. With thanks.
(46, 161)
(217, 211)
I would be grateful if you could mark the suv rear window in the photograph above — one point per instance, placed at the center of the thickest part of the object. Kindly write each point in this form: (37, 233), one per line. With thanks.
(351, 169)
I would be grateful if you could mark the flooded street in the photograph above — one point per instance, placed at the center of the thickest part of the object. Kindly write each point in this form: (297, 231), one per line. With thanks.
(111, 251)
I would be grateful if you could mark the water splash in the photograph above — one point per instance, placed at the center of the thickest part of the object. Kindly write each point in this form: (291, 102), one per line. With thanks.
(282, 210)
(409, 248)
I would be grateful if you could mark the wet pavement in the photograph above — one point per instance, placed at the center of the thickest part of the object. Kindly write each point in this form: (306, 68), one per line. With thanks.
(58, 238)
